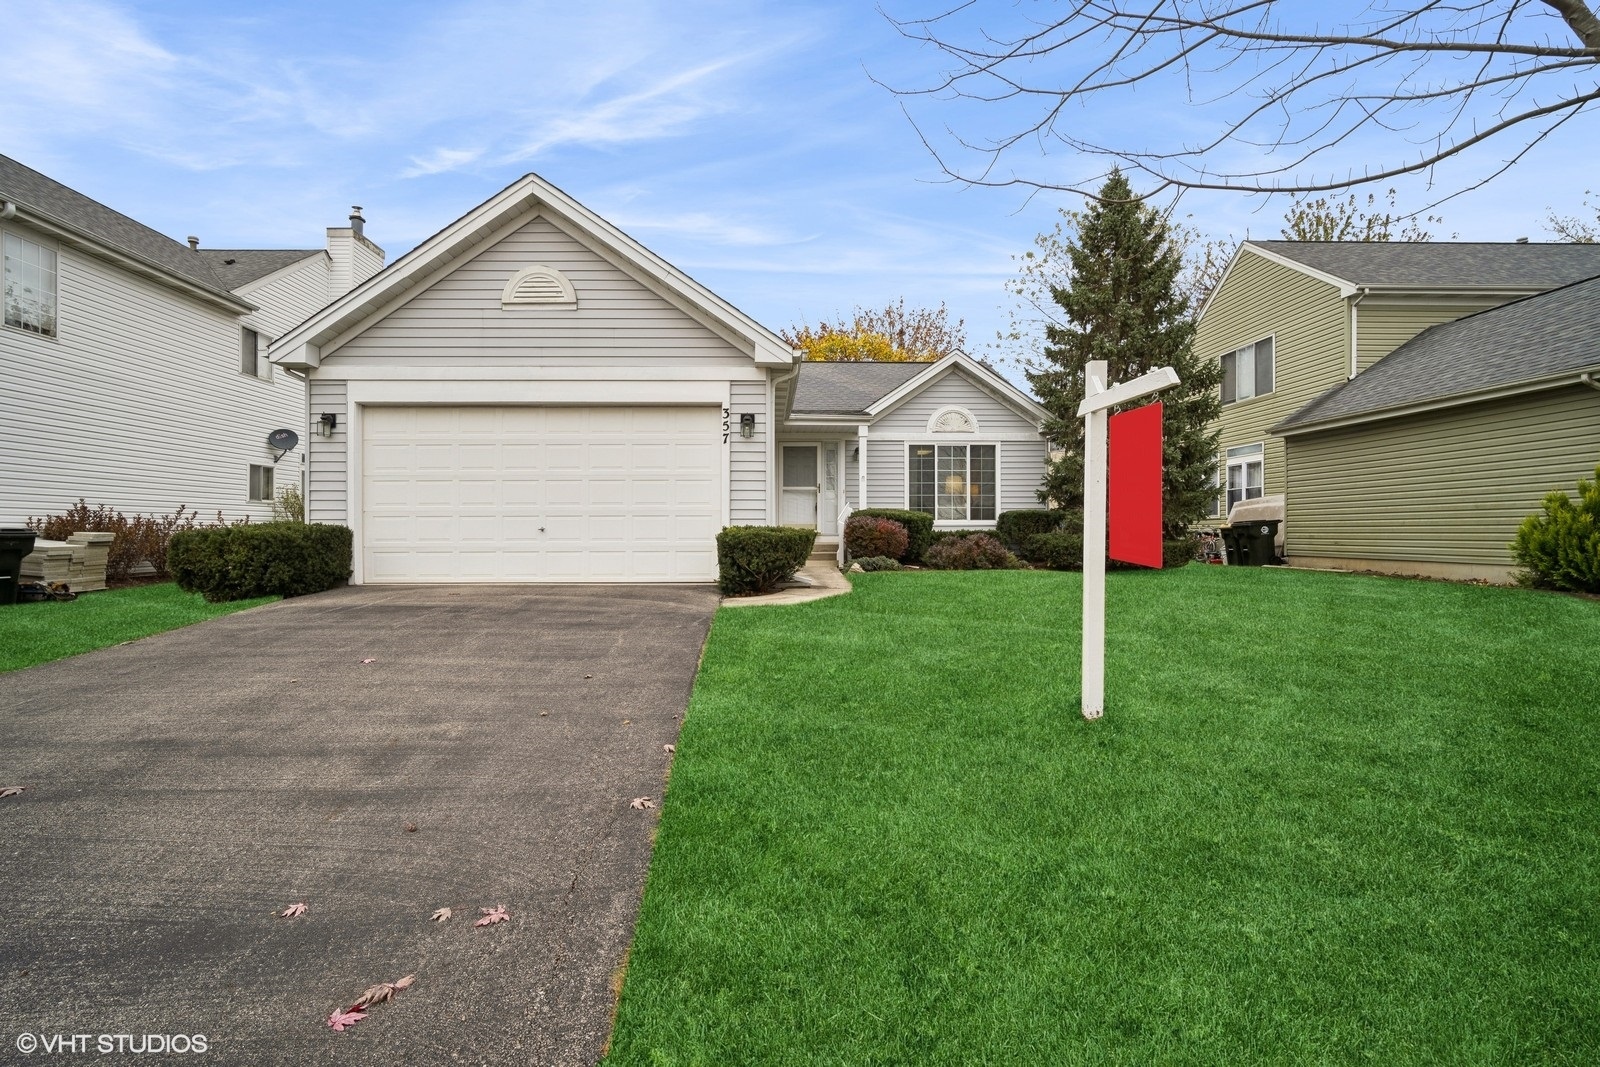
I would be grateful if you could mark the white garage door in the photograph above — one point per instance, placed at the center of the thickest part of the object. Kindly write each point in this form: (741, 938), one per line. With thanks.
(541, 494)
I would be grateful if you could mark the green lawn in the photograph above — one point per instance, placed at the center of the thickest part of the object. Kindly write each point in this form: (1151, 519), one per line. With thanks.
(1327, 819)
(38, 633)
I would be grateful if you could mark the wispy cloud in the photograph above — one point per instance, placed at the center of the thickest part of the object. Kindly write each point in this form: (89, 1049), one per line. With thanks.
(440, 160)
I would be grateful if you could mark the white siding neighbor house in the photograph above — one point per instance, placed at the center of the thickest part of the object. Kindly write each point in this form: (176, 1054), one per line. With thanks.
(135, 369)
(530, 395)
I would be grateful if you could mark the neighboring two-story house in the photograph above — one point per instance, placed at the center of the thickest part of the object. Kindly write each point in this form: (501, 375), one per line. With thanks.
(1297, 323)
(134, 366)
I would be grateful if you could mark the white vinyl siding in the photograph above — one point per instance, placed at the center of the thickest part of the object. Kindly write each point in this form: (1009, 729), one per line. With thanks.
(747, 460)
(618, 320)
(138, 404)
(327, 498)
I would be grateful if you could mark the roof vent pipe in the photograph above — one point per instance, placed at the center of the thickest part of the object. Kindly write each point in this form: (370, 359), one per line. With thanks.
(1522, 240)
(357, 223)
(194, 244)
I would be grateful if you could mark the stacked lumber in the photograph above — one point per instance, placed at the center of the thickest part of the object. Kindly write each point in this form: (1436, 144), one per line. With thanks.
(79, 561)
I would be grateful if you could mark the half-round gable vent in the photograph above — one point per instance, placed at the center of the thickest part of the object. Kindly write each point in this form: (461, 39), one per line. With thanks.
(539, 286)
(952, 420)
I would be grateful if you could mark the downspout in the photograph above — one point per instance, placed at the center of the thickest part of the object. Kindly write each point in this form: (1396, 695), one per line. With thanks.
(305, 458)
(772, 443)
(1355, 345)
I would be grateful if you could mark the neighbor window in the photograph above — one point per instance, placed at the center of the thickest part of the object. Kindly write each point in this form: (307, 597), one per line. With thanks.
(1246, 477)
(953, 483)
(260, 483)
(1247, 372)
(252, 360)
(1214, 503)
(30, 272)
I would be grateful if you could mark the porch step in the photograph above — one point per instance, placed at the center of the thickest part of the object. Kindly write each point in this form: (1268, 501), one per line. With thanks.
(825, 548)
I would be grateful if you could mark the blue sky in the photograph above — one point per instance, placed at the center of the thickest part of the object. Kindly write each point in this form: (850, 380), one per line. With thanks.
(743, 141)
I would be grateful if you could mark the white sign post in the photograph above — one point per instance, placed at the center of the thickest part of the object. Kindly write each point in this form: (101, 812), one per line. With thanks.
(1099, 398)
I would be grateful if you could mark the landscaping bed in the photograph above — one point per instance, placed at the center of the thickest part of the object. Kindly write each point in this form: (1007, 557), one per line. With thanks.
(1327, 819)
(38, 633)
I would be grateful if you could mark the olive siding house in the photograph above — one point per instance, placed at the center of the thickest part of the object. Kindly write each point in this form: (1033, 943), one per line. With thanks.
(1411, 401)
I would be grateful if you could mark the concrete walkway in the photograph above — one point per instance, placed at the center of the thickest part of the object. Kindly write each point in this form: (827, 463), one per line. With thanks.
(185, 788)
(821, 579)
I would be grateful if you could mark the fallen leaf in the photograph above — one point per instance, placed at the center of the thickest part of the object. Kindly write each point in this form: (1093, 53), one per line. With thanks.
(381, 993)
(642, 802)
(493, 915)
(542, 714)
(369, 661)
(293, 911)
(442, 915)
(669, 748)
(294, 681)
(588, 676)
(411, 827)
(11, 791)
(340, 1020)
(627, 722)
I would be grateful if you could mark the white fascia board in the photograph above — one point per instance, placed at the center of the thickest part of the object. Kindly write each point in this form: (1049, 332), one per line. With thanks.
(373, 371)
(987, 379)
(1534, 385)
(1346, 287)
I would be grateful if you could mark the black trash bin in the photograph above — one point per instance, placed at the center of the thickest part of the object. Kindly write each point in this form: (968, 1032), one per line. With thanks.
(1234, 546)
(15, 542)
(1261, 536)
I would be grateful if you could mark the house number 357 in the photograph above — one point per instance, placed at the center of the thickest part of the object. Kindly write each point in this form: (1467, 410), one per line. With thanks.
(727, 422)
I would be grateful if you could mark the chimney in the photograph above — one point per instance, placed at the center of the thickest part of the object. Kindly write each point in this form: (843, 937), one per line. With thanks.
(1522, 240)
(194, 244)
(354, 258)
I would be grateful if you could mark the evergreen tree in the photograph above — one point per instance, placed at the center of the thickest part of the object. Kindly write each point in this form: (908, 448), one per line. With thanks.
(1122, 304)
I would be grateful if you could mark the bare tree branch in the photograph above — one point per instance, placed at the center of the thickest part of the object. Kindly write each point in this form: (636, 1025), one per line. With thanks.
(1429, 80)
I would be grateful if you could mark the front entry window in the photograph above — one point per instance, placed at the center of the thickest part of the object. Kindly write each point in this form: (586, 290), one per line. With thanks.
(1246, 474)
(953, 483)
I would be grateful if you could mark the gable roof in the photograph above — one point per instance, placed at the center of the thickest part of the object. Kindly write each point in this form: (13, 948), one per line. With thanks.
(847, 388)
(528, 197)
(1534, 342)
(67, 213)
(1443, 264)
(237, 267)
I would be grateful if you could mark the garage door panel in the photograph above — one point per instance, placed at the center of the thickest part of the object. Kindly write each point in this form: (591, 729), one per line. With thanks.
(541, 494)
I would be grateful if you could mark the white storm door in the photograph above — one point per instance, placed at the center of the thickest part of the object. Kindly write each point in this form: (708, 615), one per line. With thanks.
(541, 494)
(801, 485)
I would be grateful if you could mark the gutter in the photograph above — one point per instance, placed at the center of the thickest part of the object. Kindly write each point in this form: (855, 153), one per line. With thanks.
(1587, 378)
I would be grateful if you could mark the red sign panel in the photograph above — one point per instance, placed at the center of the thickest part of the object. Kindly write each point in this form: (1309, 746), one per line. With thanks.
(1134, 493)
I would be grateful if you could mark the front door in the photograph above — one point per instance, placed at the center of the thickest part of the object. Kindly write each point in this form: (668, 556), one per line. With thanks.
(801, 486)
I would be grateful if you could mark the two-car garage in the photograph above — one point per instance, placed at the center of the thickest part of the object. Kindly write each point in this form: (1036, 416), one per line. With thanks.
(480, 493)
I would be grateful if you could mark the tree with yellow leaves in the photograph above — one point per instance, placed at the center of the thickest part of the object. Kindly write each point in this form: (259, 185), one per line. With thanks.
(892, 335)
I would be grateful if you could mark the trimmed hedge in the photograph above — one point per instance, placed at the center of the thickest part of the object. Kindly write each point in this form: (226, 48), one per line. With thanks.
(918, 524)
(974, 552)
(1015, 527)
(260, 559)
(879, 563)
(868, 535)
(1063, 551)
(757, 559)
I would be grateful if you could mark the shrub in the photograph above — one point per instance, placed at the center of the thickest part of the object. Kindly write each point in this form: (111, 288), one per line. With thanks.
(1560, 549)
(868, 535)
(140, 540)
(1014, 528)
(919, 529)
(755, 559)
(880, 563)
(1180, 552)
(260, 559)
(290, 506)
(977, 552)
(1059, 551)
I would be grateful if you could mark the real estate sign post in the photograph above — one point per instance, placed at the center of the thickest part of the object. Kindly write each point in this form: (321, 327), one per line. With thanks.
(1099, 398)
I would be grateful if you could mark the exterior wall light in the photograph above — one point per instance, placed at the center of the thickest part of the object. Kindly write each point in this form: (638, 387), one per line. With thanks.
(326, 423)
(747, 425)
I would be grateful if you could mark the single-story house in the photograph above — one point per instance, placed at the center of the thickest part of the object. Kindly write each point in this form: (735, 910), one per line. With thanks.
(531, 395)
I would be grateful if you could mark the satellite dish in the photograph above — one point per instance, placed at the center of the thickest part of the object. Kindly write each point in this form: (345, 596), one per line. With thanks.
(281, 441)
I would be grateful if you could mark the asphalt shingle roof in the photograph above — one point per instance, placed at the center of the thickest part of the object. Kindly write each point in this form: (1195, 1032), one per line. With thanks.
(848, 388)
(1526, 340)
(235, 267)
(1445, 264)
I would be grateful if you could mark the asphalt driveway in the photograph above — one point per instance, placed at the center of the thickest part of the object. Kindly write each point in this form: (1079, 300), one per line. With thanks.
(185, 788)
